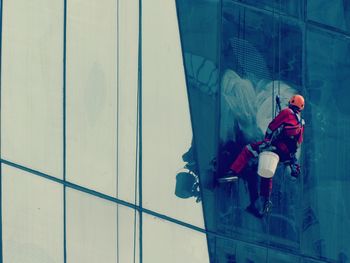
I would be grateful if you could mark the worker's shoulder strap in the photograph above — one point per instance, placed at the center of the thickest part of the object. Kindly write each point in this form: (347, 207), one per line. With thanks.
(298, 117)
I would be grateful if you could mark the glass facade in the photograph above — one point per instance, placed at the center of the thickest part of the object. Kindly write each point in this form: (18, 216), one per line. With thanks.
(256, 50)
(115, 114)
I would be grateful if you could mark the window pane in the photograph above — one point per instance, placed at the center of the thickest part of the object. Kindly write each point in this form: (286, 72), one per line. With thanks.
(91, 94)
(32, 218)
(290, 7)
(168, 242)
(232, 251)
(32, 84)
(282, 257)
(99, 230)
(333, 13)
(326, 200)
(128, 235)
(166, 123)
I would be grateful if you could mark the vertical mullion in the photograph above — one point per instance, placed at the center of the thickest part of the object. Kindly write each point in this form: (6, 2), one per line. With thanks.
(140, 126)
(1, 15)
(117, 139)
(64, 130)
(1, 257)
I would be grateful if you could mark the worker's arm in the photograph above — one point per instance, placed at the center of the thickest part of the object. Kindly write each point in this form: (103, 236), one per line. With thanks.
(294, 162)
(276, 123)
(300, 139)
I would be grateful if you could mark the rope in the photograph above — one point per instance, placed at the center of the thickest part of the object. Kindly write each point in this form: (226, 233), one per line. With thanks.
(274, 111)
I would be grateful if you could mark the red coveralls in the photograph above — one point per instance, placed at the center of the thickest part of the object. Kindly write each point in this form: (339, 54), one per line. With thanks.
(285, 133)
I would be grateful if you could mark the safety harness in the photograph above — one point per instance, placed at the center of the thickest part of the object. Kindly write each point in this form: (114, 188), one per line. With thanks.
(290, 133)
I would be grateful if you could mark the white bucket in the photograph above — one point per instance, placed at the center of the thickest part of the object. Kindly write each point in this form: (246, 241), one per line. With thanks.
(267, 164)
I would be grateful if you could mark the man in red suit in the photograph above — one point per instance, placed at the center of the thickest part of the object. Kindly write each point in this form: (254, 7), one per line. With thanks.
(284, 135)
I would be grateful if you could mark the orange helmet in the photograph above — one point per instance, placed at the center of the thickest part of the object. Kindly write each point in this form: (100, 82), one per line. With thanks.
(297, 101)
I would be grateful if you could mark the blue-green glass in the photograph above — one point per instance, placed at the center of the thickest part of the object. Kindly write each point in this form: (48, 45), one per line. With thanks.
(326, 212)
(233, 251)
(290, 7)
(261, 45)
(200, 31)
(255, 55)
(309, 260)
(198, 21)
(334, 13)
(261, 57)
(282, 257)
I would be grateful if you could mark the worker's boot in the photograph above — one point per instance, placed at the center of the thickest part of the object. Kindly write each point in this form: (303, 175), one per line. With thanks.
(230, 176)
(267, 206)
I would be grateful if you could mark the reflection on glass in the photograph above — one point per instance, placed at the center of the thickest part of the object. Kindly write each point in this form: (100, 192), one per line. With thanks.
(282, 257)
(326, 207)
(232, 251)
(187, 179)
(200, 32)
(32, 218)
(91, 94)
(31, 85)
(261, 58)
(168, 242)
(334, 13)
(99, 230)
(168, 165)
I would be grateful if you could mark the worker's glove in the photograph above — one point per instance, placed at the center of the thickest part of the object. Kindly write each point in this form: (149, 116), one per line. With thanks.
(266, 146)
(295, 170)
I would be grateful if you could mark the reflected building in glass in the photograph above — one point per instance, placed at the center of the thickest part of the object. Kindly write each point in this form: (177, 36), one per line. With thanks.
(115, 116)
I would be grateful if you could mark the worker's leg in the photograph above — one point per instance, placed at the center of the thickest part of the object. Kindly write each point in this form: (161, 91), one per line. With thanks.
(254, 207)
(252, 181)
(259, 207)
(248, 152)
(265, 187)
(265, 192)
